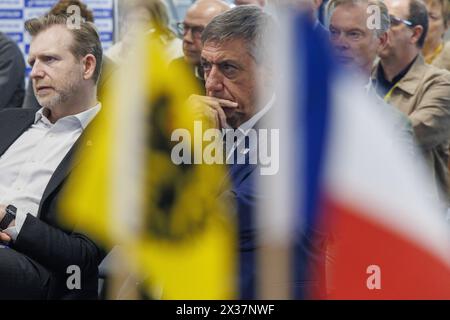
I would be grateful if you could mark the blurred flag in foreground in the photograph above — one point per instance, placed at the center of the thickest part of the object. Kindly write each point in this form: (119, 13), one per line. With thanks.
(352, 178)
(127, 191)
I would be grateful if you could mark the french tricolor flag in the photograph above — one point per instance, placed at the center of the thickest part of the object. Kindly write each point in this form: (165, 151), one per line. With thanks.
(345, 172)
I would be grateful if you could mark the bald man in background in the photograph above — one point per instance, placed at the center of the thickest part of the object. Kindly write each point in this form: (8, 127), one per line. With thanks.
(259, 3)
(197, 17)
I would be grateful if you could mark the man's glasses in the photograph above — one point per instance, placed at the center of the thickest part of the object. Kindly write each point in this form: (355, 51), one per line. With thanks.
(184, 28)
(396, 21)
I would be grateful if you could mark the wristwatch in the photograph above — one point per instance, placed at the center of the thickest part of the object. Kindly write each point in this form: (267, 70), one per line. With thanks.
(9, 216)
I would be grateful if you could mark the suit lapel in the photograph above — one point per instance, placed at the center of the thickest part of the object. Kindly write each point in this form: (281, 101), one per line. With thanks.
(13, 127)
(70, 161)
(236, 173)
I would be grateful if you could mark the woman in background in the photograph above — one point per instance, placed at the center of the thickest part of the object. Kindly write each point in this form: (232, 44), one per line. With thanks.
(146, 16)
(435, 50)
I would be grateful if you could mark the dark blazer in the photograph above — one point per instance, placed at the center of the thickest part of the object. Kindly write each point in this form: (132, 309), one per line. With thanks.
(43, 239)
(242, 194)
(308, 243)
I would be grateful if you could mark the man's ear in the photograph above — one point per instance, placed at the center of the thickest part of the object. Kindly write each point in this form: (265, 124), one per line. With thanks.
(417, 33)
(89, 65)
(383, 40)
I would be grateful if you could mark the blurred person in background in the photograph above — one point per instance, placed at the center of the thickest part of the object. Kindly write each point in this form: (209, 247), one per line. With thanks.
(197, 17)
(420, 91)
(435, 50)
(259, 3)
(357, 47)
(355, 44)
(145, 17)
(12, 74)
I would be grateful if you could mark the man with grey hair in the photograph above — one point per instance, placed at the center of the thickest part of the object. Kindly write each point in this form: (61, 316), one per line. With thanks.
(358, 31)
(240, 86)
(234, 59)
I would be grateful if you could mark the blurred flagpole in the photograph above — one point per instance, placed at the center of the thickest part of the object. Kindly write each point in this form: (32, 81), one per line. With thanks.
(128, 165)
(275, 216)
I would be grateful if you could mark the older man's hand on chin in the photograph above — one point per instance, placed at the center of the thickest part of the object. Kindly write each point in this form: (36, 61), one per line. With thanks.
(212, 109)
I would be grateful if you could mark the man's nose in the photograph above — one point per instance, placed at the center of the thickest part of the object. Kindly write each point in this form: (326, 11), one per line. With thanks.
(214, 80)
(36, 71)
(187, 36)
(341, 42)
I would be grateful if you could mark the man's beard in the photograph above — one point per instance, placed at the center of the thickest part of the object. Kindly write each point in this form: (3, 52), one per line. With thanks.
(60, 96)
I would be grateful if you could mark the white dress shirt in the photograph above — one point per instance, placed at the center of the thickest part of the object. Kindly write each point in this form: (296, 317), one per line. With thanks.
(28, 164)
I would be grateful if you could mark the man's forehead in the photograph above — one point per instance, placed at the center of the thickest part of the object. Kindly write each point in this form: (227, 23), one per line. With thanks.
(54, 37)
(224, 50)
(398, 8)
(350, 14)
(201, 16)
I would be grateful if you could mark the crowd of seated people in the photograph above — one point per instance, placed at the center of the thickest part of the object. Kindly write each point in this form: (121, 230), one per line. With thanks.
(404, 63)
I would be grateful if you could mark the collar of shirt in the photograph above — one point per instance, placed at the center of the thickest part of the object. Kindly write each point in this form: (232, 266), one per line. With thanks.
(243, 130)
(82, 118)
(383, 85)
(250, 123)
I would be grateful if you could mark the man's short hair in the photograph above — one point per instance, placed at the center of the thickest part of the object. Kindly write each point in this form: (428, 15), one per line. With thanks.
(418, 15)
(248, 23)
(385, 21)
(85, 38)
(62, 5)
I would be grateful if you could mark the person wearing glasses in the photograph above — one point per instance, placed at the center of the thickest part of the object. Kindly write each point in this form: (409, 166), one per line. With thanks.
(355, 44)
(435, 50)
(419, 90)
(197, 17)
(356, 47)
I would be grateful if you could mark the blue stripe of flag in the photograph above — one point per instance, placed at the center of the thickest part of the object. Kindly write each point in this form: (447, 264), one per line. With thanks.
(314, 73)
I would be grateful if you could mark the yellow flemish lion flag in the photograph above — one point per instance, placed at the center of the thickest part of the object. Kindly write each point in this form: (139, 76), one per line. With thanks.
(127, 191)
